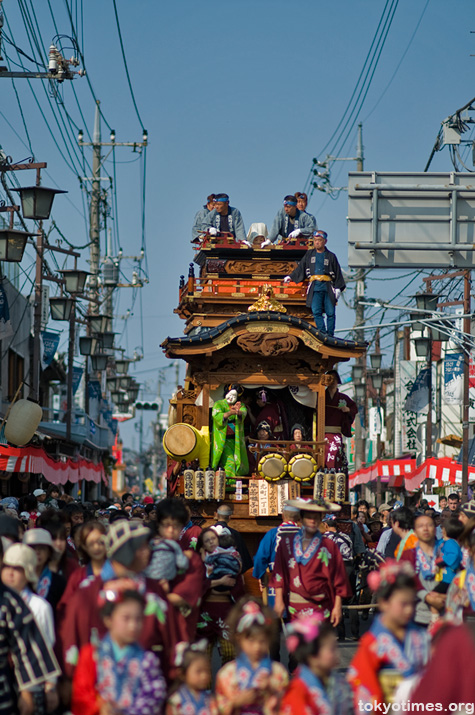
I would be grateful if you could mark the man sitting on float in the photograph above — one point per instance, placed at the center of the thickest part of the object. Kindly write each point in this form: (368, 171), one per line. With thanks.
(228, 445)
(225, 219)
(340, 413)
(290, 222)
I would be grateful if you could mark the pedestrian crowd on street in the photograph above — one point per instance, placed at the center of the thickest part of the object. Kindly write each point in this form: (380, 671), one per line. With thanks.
(115, 608)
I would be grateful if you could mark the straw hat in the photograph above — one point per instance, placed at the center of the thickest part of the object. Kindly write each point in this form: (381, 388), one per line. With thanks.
(314, 505)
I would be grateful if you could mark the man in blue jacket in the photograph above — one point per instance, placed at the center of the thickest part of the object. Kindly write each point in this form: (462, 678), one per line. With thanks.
(225, 219)
(326, 283)
(200, 218)
(290, 222)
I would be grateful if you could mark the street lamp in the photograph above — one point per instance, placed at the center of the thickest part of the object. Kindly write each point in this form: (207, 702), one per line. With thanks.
(98, 323)
(74, 279)
(357, 372)
(37, 201)
(88, 345)
(377, 380)
(107, 339)
(99, 362)
(376, 360)
(427, 301)
(418, 325)
(13, 244)
(422, 347)
(124, 382)
(360, 391)
(122, 366)
(61, 307)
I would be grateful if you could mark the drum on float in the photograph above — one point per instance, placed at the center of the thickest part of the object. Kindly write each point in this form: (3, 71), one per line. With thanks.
(302, 467)
(272, 467)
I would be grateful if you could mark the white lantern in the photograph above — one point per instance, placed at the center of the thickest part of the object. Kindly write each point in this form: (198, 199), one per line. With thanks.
(22, 422)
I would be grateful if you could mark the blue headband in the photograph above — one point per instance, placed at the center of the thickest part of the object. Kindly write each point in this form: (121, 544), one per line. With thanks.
(321, 234)
(221, 198)
(290, 203)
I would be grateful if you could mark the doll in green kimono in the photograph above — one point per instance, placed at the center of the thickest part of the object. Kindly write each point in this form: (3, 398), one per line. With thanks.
(229, 448)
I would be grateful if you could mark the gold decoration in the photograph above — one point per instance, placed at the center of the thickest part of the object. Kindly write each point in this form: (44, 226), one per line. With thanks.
(267, 301)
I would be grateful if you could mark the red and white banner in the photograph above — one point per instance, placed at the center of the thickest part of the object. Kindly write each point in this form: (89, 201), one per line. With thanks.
(34, 460)
(404, 473)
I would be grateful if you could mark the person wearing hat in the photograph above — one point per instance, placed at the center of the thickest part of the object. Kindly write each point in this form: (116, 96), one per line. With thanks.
(128, 552)
(51, 585)
(225, 219)
(290, 223)
(223, 517)
(384, 511)
(467, 511)
(197, 229)
(40, 494)
(309, 572)
(340, 413)
(326, 283)
(19, 574)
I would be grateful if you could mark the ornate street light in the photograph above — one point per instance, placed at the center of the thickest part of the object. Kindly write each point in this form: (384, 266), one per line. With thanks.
(88, 345)
(37, 201)
(98, 323)
(61, 307)
(13, 244)
(360, 391)
(377, 380)
(357, 372)
(107, 339)
(418, 325)
(75, 280)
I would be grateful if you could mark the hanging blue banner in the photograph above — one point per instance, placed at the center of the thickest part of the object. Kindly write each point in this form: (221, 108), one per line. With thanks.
(94, 388)
(49, 345)
(77, 376)
(453, 379)
(418, 398)
(6, 330)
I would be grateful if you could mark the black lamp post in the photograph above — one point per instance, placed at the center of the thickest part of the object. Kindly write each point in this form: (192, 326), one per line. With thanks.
(13, 244)
(74, 280)
(98, 323)
(360, 391)
(99, 362)
(122, 366)
(427, 301)
(422, 347)
(88, 345)
(376, 360)
(106, 339)
(357, 372)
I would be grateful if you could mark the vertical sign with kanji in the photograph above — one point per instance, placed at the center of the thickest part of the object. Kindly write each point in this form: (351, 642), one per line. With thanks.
(408, 420)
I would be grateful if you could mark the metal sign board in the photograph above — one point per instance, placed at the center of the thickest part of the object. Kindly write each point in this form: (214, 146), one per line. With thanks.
(411, 220)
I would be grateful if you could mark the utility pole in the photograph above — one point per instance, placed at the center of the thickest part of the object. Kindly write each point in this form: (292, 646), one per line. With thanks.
(360, 292)
(94, 233)
(466, 383)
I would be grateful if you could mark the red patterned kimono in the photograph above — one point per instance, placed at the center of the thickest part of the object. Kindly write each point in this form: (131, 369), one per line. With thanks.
(310, 579)
(82, 623)
(191, 586)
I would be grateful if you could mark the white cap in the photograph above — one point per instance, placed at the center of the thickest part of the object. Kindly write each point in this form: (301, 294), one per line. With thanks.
(37, 537)
(39, 492)
(23, 556)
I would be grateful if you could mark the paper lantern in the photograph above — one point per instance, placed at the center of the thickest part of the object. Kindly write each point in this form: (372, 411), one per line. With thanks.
(329, 486)
(318, 485)
(209, 484)
(199, 485)
(22, 422)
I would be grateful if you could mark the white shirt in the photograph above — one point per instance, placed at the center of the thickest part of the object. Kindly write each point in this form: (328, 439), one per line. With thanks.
(43, 614)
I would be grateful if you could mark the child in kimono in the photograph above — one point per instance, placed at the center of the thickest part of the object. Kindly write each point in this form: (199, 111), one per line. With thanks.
(191, 696)
(253, 683)
(225, 560)
(394, 648)
(117, 675)
(314, 688)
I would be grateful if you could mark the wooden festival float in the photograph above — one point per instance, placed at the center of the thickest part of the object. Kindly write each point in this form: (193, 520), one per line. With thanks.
(244, 325)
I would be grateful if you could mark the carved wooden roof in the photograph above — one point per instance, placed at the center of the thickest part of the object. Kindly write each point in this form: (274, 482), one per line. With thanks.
(267, 334)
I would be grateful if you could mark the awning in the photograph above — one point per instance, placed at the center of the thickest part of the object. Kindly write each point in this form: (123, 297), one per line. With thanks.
(34, 460)
(404, 473)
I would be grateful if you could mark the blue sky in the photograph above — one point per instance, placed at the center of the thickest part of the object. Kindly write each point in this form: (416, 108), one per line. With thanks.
(238, 97)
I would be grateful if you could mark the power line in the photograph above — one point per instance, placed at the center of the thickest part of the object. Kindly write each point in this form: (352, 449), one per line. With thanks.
(125, 63)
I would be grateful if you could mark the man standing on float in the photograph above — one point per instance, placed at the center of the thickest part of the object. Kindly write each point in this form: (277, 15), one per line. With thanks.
(326, 283)
(229, 447)
(340, 413)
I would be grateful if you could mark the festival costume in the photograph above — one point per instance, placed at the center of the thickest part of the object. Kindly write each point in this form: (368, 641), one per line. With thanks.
(265, 556)
(82, 623)
(212, 623)
(460, 601)
(274, 414)
(337, 425)
(306, 695)
(199, 221)
(129, 678)
(284, 224)
(380, 650)
(309, 579)
(191, 586)
(184, 702)
(425, 568)
(235, 222)
(51, 586)
(189, 536)
(407, 542)
(269, 678)
(229, 448)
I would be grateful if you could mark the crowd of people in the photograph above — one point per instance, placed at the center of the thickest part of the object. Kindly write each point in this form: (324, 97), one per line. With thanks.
(111, 608)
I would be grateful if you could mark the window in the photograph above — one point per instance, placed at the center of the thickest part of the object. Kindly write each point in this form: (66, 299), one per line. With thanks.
(16, 373)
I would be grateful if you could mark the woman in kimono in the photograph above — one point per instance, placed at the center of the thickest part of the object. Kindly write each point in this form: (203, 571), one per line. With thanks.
(229, 447)
(394, 648)
(253, 683)
(460, 602)
(309, 573)
(315, 688)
